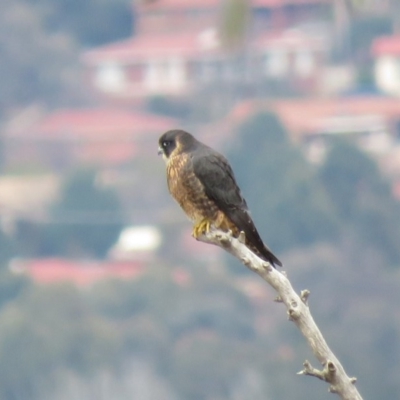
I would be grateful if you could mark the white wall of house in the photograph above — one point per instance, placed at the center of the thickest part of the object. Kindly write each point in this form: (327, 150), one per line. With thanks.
(387, 74)
(110, 78)
(163, 76)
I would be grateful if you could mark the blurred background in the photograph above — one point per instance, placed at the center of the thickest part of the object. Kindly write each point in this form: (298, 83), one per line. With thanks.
(103, 292)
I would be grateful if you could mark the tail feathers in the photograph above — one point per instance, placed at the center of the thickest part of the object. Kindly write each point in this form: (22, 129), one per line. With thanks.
(243, 222)
(267, 255)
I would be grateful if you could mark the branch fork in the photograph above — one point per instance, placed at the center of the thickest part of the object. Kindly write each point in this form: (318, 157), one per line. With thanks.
(324, 375)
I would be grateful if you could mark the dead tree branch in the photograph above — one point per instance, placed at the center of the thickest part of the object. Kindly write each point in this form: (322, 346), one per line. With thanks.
(298, 311)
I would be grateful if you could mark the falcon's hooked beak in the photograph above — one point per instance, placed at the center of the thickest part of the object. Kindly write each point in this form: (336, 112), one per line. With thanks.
(161, 152)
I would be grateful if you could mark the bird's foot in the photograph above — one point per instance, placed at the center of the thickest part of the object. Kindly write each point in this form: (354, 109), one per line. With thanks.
(201, 228)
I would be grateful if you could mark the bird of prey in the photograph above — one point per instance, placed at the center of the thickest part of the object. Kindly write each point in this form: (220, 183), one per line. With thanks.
(202, 182)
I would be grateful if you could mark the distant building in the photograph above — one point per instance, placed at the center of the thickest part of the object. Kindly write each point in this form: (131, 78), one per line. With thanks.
(78, 272)
(177, 48)
(136, 243)
(386, 52)
(169, 16)
(104, 137)
(26, 197)
(372, 123)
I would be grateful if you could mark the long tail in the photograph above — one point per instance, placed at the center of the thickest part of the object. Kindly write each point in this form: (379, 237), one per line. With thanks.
(266, 254)
(243, 222)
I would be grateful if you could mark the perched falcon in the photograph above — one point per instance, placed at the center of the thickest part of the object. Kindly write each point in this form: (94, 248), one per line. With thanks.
(202, 182)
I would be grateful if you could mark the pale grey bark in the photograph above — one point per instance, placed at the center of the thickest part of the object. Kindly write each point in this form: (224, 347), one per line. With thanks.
(298, 311)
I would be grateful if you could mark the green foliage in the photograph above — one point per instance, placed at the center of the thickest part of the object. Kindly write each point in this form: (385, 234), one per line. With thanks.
(40, 41)
(211, 309)
(91, 22)
(7, 248)
(187, 342)
(169, 107)
(362, 200)
(59, 328)
(86, 220)
(235, 19)
(363, 32)
(347, 175)
(35, 63)
(11, 286)
(37, 336)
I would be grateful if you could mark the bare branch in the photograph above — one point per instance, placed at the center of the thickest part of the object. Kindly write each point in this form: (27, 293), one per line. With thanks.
(298, 312)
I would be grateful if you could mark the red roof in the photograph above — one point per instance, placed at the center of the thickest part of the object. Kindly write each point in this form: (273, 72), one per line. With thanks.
(308, 115)
(190, 44)
(386, 45)
(291, 39)
(54, 270)
(304, 116)
(148, 46)
(95, 121)
(174, 4)
(281, 3)
(105, 136)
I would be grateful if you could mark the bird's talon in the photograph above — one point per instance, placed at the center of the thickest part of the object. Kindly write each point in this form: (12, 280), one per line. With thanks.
(201, 228)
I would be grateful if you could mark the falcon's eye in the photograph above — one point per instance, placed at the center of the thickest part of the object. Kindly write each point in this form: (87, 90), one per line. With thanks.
(166, 143)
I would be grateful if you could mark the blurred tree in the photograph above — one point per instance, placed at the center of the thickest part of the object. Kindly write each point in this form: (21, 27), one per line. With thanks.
(289, 206)
(29, 238)
(39, 47)
(61, 342)
(7, 248)
(169, 107)
(363, 31)
(346, 173)
(45, 329)
(234, 23)
(11, 286)
(139, 379)
(361, 34)
(87, 219)
(89, 22)
(395, 14)
(224, 366)
(362, 199)
(36, 64)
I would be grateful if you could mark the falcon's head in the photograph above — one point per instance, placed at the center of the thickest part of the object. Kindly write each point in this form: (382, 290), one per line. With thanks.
(175, 142)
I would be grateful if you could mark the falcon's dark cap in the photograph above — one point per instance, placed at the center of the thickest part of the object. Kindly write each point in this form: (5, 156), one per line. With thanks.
(176, 138)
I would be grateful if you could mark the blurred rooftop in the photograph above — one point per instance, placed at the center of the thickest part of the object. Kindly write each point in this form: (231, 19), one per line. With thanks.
(105, 136)
(79, 272)
(386, 45)
(155, 4)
